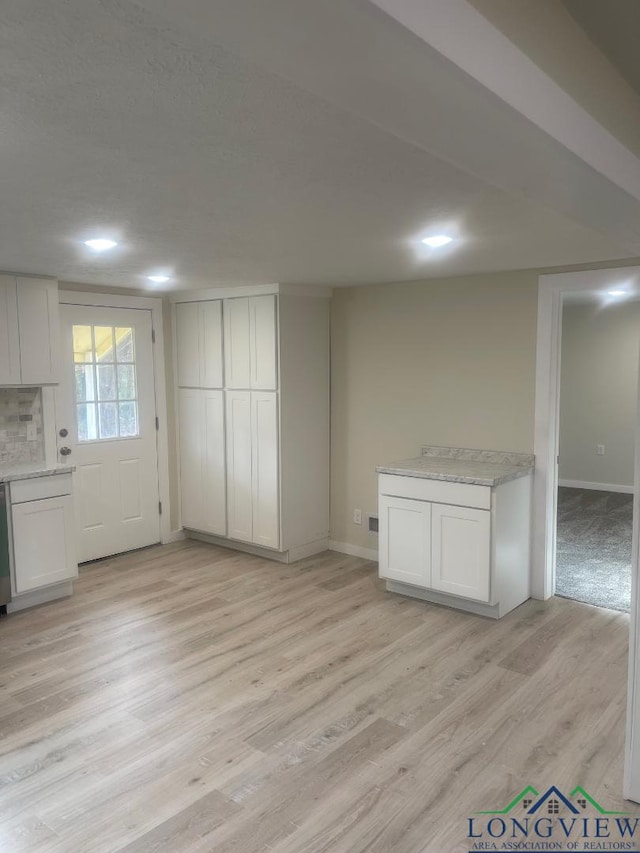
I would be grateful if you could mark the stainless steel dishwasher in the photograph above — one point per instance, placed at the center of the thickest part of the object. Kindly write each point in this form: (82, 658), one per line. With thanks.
(5, 581)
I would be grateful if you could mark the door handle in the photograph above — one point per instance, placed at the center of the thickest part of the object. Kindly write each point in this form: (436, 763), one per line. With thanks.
(65, 451)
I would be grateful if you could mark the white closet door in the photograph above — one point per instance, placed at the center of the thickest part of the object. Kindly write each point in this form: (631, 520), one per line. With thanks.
(211, 344)
(262, 319)
(237, 349)
(461, 561)
(264, 441)
(9, 338)
(191, 426)
(39, 325)
(239, 501)
(188, 344)
(214, 492)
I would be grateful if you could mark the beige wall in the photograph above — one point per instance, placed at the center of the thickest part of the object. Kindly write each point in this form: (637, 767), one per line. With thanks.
(446, 361)
(599, 392)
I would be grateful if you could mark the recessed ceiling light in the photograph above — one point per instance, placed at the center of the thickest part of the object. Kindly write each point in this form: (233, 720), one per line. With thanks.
(100, 244)
(158, 279)
(437, 241)
(617, 292)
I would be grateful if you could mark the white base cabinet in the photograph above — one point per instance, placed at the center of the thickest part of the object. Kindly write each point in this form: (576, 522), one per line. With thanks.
(473, 555)
(42, 533)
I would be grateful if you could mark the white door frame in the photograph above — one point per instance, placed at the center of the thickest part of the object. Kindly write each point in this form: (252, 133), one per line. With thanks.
(153, 304)
(551, 291)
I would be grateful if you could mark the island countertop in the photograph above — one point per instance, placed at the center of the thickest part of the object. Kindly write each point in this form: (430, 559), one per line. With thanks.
(462, 465)
(28, 470)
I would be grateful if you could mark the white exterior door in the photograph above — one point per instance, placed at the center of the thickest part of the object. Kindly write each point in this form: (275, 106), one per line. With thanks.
(106, 404)
(461, 561)
(405, 540)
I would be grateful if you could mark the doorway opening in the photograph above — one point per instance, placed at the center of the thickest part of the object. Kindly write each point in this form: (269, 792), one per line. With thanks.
(598, 392)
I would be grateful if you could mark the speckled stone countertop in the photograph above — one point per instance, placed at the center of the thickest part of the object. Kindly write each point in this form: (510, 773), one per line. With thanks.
(28, 470)
(463, 465)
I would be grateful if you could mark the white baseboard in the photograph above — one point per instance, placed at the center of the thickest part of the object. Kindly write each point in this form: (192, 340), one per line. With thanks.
(353, 550)
(174, 536)
(598, 487)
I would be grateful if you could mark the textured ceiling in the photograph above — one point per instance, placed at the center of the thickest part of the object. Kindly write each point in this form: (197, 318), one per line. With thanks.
(204, 163)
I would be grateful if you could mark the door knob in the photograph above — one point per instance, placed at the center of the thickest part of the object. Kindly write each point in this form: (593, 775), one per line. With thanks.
(65, 451)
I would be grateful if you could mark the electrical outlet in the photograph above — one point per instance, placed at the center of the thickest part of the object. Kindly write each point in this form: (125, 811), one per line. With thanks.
(600, 449)
(32, 432)
(357, 516)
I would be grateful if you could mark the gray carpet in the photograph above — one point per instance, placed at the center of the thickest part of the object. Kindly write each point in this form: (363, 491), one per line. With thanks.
(593, 562)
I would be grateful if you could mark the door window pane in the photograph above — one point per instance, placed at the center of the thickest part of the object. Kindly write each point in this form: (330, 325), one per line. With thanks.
(103, 336)
(106, 381)
(124, 344)
(108, 420)
(126, 382)
(128, 418)
(105, 370)
(87, 426)
(85, 389)
(82, 344)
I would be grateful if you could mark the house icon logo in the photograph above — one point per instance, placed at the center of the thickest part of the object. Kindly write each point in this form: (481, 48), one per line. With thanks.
(553, 820)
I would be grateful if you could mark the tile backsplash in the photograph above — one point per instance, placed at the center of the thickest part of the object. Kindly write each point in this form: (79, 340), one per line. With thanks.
(19, 409)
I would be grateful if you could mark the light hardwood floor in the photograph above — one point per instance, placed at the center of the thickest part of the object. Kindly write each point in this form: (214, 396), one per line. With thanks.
(190, 698)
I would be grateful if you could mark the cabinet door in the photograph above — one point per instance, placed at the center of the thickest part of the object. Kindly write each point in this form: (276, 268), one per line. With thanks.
(239, 501)
(9, 337)
(191, 426)
(43, 545)
(405, 540)
(214, 490)
(188, 344)
(39, 326)
(211, 344)
(264, 449)
(237, 350)
(262, 320)
(461, 557)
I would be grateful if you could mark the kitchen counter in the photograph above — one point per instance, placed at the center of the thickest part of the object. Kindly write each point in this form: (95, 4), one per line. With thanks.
(28, 470)
(462, 465)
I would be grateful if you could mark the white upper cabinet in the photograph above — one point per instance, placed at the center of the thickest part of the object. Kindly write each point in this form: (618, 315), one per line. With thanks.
(211, 372)
(188, 344)
(199, 344)
(29, 331)
(9, 337)
(237, 346)
(263, 337)
(250, 336)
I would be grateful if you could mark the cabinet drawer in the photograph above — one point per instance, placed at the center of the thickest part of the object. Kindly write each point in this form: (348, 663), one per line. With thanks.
(436, 491)
(38, 488)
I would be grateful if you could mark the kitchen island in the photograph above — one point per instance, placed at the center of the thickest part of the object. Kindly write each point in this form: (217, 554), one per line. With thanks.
(455, 527)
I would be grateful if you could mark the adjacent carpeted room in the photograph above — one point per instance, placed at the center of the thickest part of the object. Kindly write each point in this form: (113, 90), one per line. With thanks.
(593, 561)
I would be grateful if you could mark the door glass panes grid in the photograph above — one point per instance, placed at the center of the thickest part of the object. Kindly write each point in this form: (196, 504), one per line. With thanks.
(105, 382)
